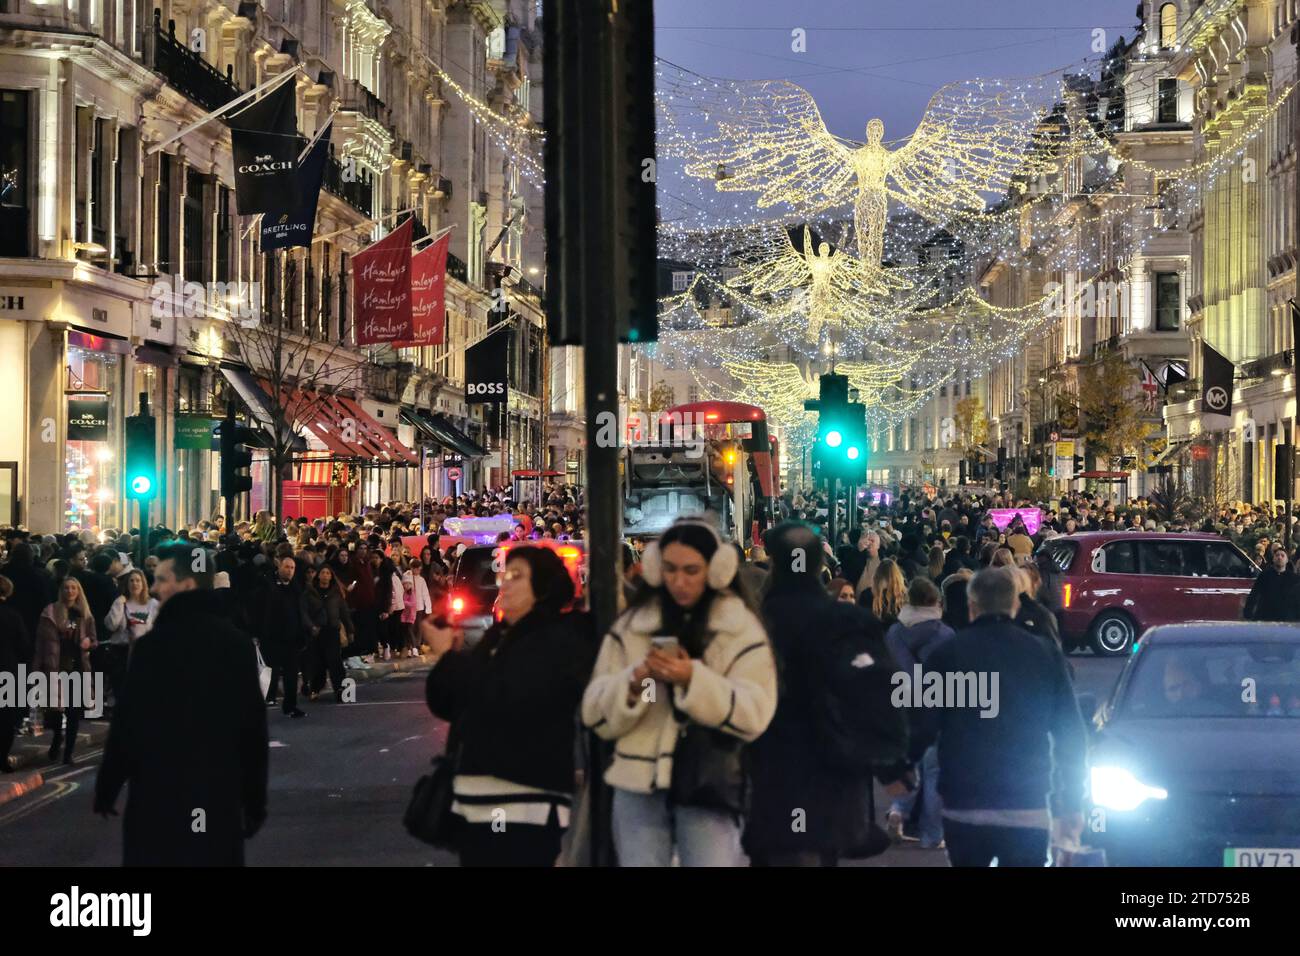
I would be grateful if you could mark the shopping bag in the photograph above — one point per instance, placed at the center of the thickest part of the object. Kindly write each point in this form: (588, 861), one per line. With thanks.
(263, 671)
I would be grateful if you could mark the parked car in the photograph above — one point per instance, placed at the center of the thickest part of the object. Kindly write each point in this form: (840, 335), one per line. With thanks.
(471, 598)
(1194, 758)
(1116, 584)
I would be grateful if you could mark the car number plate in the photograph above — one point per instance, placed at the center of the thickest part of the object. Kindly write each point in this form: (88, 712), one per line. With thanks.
(1259, 856)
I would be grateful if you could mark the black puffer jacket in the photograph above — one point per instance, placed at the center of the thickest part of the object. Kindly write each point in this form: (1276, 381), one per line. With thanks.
(513, 699)
(813, 636)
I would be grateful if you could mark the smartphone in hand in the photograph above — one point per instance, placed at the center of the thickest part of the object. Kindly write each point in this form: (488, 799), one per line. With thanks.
(666, 643)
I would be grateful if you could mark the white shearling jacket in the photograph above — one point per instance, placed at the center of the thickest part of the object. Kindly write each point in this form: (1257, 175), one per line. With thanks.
(733, 689)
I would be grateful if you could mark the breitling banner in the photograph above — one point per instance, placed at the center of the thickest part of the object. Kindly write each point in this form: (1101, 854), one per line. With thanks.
(264, 141)
(381, 289)
(294, 227)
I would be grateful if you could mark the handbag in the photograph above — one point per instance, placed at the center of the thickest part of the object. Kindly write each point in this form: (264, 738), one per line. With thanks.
(710, 770)
(428, 816)
(263, 671)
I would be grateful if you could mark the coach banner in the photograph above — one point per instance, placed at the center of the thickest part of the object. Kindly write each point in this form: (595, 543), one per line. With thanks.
(381, 289)
(486, 368)
(264, 142)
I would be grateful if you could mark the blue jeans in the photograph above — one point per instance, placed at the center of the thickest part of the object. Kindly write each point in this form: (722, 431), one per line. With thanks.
(931, 823)
(646, 829)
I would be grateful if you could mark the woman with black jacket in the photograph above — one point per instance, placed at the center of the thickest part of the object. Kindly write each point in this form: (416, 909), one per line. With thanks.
(511, 702)
(327, 608)
(15, 650)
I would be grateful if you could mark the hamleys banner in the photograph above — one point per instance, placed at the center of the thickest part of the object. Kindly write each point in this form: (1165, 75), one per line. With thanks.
(429, 294)
(381, 289)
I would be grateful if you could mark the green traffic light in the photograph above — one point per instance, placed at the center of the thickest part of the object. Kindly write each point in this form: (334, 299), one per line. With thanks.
(852, 454)
(141, 484)
(833, 439)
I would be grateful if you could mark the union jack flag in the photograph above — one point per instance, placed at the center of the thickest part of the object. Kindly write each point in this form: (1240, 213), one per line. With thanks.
(1150, 387)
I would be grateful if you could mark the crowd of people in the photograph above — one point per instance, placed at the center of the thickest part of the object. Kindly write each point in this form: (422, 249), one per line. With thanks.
(317, 594)
(748, 703)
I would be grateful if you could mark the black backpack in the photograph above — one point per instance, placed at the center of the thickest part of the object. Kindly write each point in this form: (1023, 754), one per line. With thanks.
(858, 727)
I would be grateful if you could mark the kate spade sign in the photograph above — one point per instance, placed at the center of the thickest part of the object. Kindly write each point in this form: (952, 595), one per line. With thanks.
(88, 417)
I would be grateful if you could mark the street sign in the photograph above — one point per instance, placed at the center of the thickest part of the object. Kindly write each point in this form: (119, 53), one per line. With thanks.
(1056, 436)
(1064, 460)
(453, 474)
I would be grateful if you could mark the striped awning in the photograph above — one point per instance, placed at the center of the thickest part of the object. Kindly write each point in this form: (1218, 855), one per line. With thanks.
(315, 468)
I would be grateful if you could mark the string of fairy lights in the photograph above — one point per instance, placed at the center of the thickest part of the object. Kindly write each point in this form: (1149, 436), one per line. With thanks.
(1019, 175)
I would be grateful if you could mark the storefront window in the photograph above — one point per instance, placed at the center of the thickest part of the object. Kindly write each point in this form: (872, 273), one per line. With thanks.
(93, 498)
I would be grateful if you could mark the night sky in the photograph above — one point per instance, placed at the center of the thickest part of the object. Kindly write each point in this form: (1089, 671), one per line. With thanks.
(884, 58)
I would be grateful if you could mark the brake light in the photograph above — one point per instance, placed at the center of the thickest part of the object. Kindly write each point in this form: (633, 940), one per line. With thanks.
(457, 605)
(1068, 593)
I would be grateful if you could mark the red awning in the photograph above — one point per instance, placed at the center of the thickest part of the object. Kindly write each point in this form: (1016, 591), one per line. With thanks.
(316, 468)
(345, 428)
(1114, 475)
(533, 473)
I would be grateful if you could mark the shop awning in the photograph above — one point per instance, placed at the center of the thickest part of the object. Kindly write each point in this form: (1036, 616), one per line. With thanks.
(442, 432)
(534, 473)
(345, 428)
(315, 468)
(1171, 449)
(258, 404)
(1105, 475)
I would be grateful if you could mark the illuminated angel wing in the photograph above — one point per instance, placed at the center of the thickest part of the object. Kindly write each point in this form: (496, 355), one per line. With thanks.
(975, 139)
(765, 137)
(773, 384)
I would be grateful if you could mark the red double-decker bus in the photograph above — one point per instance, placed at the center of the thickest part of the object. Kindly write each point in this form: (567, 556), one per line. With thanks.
(713, 459)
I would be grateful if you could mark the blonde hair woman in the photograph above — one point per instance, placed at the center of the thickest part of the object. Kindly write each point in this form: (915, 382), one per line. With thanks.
(888, 592)
(65, 635)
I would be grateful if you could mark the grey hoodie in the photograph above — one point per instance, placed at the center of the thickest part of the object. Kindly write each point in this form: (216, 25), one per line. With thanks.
(918, 631)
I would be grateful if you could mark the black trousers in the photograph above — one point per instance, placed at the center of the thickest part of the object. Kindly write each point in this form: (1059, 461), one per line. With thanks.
(367, 639)
(285, 671)
(326, 657)
(74, 723)
(519, 844)
(971, 844)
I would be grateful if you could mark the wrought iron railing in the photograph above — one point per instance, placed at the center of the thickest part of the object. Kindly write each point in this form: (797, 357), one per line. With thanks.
(186, 69)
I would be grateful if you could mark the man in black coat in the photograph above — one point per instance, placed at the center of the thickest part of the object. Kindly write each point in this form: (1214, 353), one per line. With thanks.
(1274, 597)
(1012, 753)
(285, 631)
(809, 803)
(189, 736)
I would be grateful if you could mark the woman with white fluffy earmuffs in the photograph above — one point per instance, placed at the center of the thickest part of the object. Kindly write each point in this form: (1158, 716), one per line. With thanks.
(684, 679)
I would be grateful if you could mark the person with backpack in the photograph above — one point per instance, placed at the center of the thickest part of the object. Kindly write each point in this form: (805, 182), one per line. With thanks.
(812, 767)
(918, 631)
(684, 679)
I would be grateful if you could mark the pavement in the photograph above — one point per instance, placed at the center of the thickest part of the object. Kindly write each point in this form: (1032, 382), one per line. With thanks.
(29, 756)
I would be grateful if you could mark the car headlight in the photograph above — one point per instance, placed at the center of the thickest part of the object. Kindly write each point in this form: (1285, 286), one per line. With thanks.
(1115, 788)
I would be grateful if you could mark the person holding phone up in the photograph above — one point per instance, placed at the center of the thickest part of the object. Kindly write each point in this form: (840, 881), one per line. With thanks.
(684, 679)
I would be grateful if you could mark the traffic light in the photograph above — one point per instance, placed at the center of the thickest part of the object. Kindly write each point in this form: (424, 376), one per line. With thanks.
(234, 458)
(141, 454)
(841, 449)
(1078, 465)
(601, 225)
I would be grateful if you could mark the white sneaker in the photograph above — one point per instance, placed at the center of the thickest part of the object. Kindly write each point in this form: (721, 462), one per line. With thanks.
(894, 826)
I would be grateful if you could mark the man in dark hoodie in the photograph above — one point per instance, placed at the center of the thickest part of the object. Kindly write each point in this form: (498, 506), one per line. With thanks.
(812, 767)
(1012, 763)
